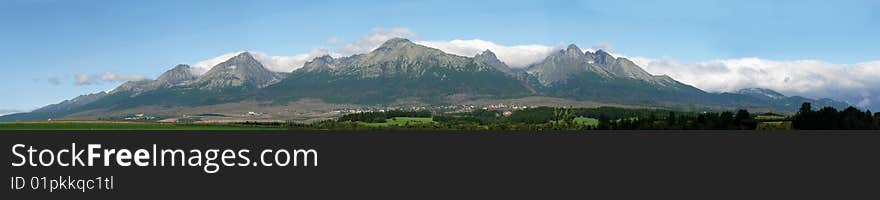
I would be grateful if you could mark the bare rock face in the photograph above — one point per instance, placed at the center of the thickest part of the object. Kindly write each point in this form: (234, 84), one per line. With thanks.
(180, 74)
(323, 63)
(489, 58)
(401, 57)
(620, 67)
(563, 64)
(399, 69)
(239, 71)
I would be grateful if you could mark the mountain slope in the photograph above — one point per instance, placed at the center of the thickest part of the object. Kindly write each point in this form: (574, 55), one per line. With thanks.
(780, 101)
(179, 75)
(398, 69)
(562, 65)
(239, 71)
(572, 73)
(56, 110)
(488, 58)
(229, 81)
(402, 71)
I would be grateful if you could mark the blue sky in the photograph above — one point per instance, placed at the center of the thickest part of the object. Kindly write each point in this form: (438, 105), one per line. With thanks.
(46, 43)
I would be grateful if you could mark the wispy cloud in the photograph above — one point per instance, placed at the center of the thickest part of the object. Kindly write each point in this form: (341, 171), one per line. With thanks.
(89, 79)
(54, 80)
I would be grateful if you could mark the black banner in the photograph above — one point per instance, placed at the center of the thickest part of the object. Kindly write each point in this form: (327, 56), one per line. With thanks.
(489, 165)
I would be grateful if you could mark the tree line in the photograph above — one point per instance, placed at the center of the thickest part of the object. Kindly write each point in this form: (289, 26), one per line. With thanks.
(380, 117)
(829, 118)
(610, 118)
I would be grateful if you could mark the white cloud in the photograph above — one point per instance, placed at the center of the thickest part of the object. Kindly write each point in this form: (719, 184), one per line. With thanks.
(287, 63)
(855, 83)
(205, 65)
(516, 56)
(374, 38)
(88, 79)
(273, 63)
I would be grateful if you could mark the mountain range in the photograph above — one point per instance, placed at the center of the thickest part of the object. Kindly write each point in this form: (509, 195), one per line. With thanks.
(400, 70)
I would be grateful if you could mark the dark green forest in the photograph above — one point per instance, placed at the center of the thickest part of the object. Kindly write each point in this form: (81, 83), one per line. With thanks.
(610, 118)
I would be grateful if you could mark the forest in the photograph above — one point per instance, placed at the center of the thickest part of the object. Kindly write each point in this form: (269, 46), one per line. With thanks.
(604, 118)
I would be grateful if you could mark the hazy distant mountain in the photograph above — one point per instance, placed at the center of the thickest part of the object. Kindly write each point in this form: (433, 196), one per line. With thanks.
(780, 101)
(400, 70)
(55, 110)
(761, 93)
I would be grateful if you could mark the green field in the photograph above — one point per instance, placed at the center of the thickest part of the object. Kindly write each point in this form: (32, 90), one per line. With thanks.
(105, 125)
(769, 118)
(402, 121)
(779, 125)
(586, 121)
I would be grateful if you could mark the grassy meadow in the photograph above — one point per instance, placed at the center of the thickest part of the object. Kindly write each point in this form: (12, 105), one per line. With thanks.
(402, 121)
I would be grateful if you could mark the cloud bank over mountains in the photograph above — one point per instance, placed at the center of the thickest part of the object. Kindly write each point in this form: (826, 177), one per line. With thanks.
(858, 84)
(516, 56)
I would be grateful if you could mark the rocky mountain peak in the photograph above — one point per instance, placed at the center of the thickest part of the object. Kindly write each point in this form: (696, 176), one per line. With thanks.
(573, 50)
(400, 48)
(324, 59)
(488, 57)
(243, 56)
(322, 62)
(604, 58)
(181, 67)
(177, 75)
(488, 53)
(243, 69)
(395, 43)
